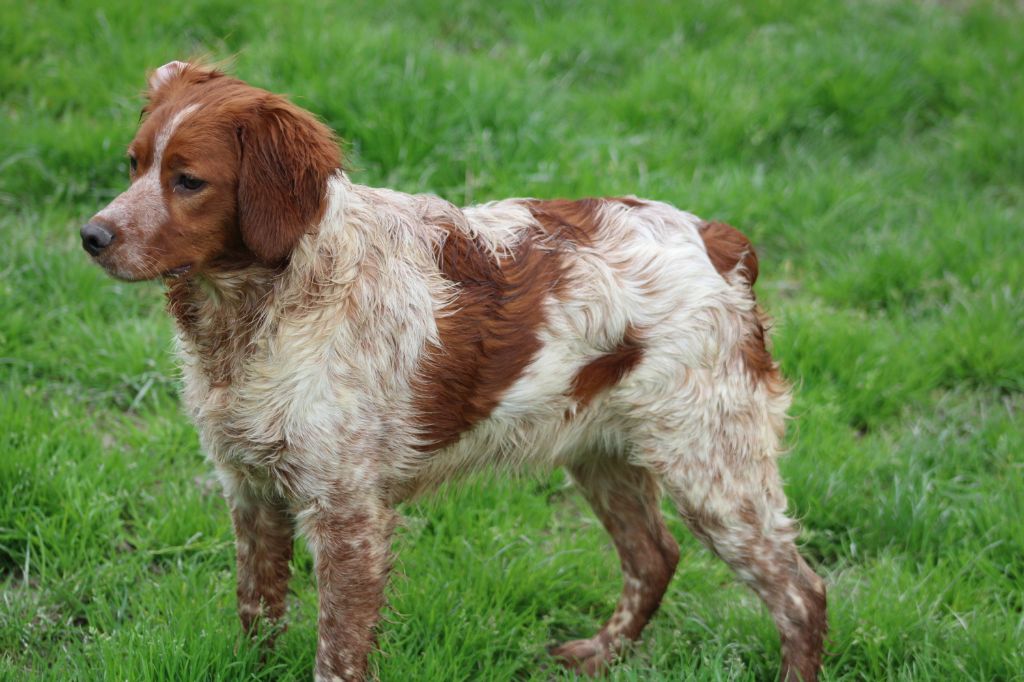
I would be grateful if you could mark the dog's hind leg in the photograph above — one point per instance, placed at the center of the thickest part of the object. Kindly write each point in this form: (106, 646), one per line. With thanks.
(718, 464)
(750, 532)
(625, 499)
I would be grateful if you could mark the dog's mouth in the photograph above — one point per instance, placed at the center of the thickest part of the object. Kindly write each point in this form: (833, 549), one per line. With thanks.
(133, 275)
(133, 268)
(177, 272)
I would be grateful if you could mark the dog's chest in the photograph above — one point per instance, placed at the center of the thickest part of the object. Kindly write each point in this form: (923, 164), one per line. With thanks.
(260, 408)
(239, 420)
(292, 407)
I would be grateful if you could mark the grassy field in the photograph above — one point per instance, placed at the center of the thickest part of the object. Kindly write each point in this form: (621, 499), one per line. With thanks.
(874, 151)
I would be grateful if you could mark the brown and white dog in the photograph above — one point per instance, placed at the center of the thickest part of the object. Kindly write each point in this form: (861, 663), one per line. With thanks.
(346, 347)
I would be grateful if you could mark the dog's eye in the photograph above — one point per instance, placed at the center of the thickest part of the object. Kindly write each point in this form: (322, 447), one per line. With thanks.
(190, 182)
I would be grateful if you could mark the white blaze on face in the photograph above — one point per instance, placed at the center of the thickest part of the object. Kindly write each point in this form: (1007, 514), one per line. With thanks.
(138, 212)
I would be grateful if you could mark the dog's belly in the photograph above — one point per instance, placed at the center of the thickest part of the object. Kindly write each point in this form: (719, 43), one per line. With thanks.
(525, 443)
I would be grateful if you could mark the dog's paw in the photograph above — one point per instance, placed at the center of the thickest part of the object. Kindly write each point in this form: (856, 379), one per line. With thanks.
(588, 656)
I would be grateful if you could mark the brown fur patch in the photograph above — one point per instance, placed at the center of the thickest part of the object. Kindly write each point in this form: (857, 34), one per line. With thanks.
(756, 357)
(490, 333)
(572, 221)
(727, 247)
(488, 336)
(287, 158)
(631, 202)
(606, 370)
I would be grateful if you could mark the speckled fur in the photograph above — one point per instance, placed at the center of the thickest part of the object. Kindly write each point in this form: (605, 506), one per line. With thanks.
(644, 370)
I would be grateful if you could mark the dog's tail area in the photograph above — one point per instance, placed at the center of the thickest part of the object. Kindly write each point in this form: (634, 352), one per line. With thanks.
(730, 252)
(735, 259)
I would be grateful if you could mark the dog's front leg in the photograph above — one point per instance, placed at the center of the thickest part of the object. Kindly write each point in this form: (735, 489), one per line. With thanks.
(263, 543)
(350, 542)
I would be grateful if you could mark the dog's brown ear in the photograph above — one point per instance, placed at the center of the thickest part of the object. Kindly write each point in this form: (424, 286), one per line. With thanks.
(287, 157)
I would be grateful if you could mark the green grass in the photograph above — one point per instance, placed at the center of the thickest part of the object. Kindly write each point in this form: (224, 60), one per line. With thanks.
(873, 152)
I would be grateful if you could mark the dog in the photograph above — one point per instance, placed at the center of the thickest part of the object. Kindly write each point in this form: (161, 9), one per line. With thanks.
(345, 348)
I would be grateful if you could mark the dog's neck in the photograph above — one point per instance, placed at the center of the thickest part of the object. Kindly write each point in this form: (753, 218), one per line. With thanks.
(219, 316)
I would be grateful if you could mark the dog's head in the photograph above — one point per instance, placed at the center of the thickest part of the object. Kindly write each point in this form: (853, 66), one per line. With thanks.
(222, 175)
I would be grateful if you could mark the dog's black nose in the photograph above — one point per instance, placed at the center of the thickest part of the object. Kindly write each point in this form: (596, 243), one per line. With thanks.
(95, 238)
